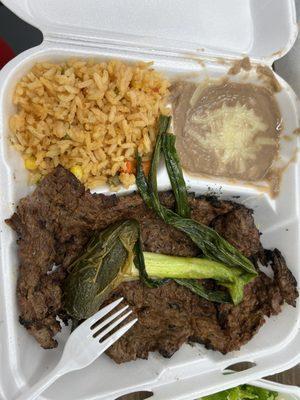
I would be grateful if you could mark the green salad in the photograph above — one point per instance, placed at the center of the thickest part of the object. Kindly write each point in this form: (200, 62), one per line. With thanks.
(243, 392)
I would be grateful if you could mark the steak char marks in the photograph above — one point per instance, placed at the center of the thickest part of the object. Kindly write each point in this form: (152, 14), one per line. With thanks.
(54, 224)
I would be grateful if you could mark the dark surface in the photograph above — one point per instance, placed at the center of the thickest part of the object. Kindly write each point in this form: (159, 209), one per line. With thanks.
(290, 377)
(17, 33)
(54, 224)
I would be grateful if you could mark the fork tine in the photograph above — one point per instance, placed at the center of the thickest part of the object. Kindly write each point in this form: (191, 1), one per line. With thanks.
(115, 336)
(108, 320)
(101, 313)
(113, 325)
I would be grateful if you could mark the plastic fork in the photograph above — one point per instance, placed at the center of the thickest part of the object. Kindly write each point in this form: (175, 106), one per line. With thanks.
(84, 345)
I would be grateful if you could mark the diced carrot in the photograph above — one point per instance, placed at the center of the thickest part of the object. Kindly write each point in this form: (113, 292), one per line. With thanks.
(130, 167)
(146, 167)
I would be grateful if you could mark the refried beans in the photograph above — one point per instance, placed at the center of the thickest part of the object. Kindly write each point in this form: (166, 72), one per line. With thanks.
(225, 128)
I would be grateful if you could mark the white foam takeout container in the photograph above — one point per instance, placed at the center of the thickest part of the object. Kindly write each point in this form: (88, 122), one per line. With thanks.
(172, 33)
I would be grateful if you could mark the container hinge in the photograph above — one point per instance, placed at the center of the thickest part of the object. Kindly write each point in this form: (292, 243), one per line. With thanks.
(137, 49)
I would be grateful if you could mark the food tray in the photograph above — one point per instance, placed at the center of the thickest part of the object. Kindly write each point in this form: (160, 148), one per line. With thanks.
(149, 30)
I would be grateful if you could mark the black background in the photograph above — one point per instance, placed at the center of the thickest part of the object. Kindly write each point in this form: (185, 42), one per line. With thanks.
(17, 33)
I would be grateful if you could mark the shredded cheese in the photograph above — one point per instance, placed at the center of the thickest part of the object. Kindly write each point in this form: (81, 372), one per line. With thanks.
(232, 132)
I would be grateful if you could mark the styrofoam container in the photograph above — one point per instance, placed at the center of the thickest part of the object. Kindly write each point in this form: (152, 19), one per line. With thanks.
(172, 33)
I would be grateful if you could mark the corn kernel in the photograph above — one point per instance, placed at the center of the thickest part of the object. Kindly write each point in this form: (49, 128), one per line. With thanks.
(77, 171)
(30, 163)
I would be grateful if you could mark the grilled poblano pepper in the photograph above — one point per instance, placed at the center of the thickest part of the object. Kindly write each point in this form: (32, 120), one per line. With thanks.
(100, 269)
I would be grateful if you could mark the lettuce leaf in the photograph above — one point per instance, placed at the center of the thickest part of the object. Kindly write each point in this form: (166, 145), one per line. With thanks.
(243, 392)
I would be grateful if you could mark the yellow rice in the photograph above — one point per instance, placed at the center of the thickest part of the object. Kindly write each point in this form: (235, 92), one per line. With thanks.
(88, 116)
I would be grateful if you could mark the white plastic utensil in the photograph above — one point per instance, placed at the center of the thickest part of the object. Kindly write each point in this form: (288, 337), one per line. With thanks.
(84, 346)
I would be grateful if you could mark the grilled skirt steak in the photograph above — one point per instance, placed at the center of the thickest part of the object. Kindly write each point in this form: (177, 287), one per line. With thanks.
(54, 224)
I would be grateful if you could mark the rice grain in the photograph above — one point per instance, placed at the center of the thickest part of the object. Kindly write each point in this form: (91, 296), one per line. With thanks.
(88, 115)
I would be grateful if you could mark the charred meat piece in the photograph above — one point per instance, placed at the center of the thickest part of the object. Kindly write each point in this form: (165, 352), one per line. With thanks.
(168, 317)
(54, 224)
(171, 315)
(285, 280)
(237, 226)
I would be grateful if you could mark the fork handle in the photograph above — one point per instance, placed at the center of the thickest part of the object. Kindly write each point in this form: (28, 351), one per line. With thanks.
(34, 391)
